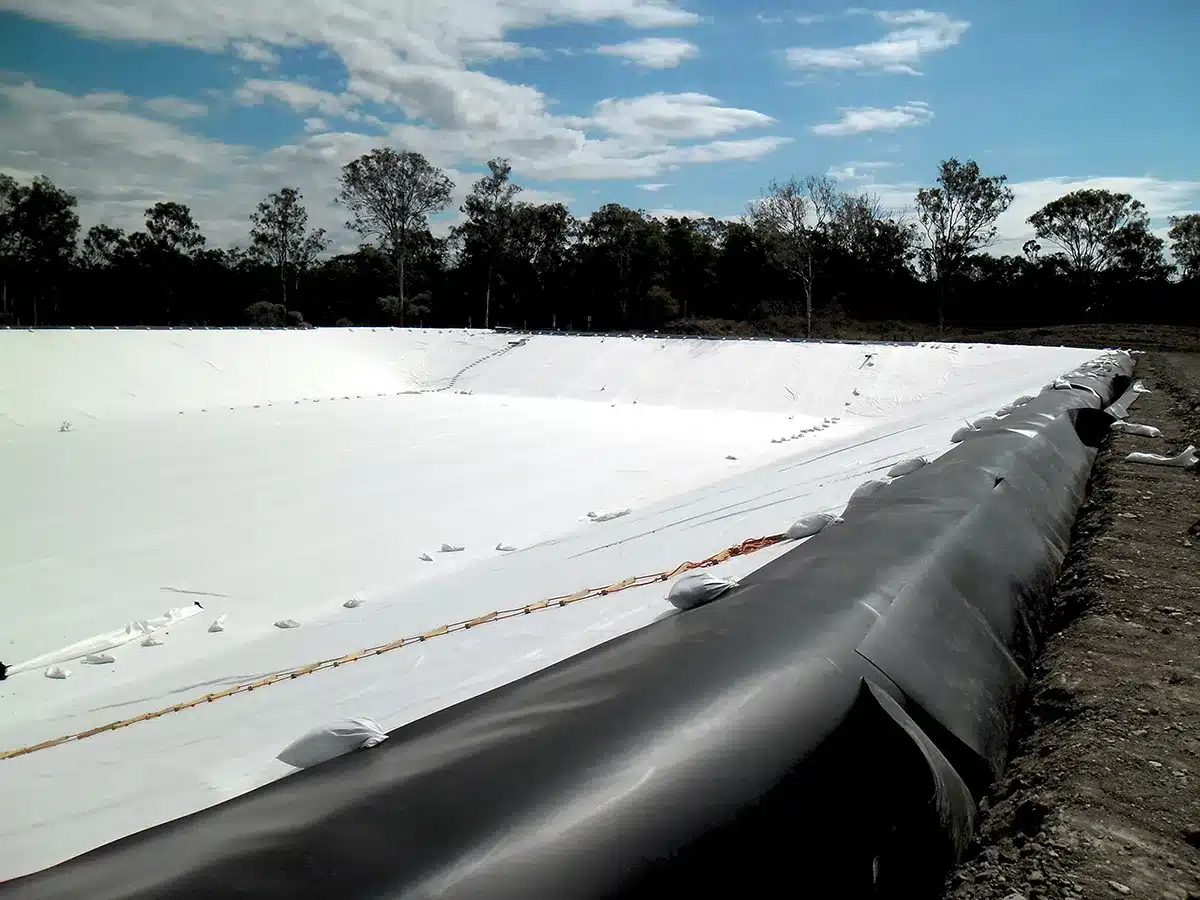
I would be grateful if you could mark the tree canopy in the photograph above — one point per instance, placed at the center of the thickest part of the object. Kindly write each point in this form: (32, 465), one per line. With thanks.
(809, 257)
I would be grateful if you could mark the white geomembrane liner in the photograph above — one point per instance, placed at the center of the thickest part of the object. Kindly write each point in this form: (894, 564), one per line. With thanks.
(283, 511)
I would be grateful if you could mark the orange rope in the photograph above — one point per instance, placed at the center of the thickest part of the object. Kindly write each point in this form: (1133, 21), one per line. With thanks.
(749, 546)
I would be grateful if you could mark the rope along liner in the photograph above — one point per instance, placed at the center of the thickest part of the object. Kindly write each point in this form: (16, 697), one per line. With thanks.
(749, 546)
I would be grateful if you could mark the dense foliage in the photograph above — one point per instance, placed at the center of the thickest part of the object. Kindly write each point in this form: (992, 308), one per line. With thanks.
(807, 253)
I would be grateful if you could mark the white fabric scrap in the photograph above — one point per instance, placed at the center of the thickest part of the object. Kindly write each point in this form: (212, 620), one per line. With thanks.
(287, 623)
(697, 589)
(58, 672)
(810, 525)
(332, 740)
(98, 643)
(1139, 388)
(1185, 459)
(1134, 428)
(608, 516)
(99, 659)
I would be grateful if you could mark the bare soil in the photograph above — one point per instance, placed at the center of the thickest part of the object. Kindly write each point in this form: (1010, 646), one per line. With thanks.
(1102, 797)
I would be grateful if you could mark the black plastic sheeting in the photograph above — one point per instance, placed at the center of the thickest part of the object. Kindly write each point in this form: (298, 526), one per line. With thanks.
(821, 730)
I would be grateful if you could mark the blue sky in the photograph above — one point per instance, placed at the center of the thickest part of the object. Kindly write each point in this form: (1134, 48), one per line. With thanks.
(689, 106)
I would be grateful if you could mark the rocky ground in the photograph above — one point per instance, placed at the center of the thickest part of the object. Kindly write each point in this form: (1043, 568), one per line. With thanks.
(1102, 798)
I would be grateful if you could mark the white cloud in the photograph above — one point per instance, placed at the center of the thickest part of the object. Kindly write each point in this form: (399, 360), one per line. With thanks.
(407, 61)
(105, 100)
(488, 50)
(672, 117)
(300, 97)
(410, 57)
(671, 213)
(653, 186)
(855, 171)
(813, 19)
(411, 30)
(176, 107)
(859, 120)
(652, 52)
(252, 51)
(911, 36)
(118, 162)
(1162, 197)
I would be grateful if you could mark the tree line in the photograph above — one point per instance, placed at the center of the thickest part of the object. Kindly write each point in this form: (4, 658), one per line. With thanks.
(807, 257)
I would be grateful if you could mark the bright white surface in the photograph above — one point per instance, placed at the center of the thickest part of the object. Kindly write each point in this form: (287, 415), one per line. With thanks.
(289, 510)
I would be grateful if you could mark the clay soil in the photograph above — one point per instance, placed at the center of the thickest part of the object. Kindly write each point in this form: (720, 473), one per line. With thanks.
(1102, 797)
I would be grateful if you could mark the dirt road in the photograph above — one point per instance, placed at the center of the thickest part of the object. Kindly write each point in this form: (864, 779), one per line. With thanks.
(1102, 798)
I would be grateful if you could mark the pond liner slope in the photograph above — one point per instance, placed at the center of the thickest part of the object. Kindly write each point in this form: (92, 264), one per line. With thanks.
(826, 727)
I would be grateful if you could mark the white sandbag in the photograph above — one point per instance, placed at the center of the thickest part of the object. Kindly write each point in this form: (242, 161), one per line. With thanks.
(1185, 459)
(99, 659)
(1133, 428)
(333, 740)
(451, 548)
(810, 525)
(907, 467)
(962, 434)
(1139, 388)
(984, 420)
(354, 602)
(58, 672)
(218, 625)
(287, 623)
(698, 588)
(425, 557)
(151, 640)
(505, 548)
(866, 489)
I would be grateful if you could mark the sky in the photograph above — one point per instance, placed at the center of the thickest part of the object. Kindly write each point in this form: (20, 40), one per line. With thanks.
(671, 106)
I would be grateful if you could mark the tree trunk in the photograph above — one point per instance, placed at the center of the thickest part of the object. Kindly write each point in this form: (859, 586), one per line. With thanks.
(941, 304)
(808, 309)
(400, 280)
(283, 285)
(487, 300)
